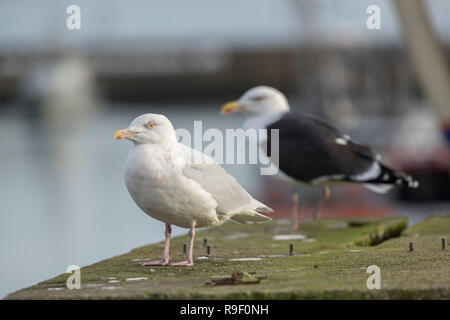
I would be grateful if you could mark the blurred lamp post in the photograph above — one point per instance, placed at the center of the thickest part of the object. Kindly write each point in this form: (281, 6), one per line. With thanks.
(427, 57)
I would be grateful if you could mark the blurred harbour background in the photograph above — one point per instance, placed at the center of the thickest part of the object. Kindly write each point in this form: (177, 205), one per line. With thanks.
(64, 92)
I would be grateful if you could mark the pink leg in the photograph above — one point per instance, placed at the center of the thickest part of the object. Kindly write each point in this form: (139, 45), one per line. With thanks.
(190, 261)
(165, 259)
(294, 218)
(326, 193)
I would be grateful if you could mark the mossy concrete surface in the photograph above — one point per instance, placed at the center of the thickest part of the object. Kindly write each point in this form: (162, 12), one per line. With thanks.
(329, 263)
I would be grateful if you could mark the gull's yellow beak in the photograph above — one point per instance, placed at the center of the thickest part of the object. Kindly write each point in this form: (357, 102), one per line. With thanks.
(231, 107)
(123, 134)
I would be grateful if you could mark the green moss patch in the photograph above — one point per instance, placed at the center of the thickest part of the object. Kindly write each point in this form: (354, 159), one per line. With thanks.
(330, 262)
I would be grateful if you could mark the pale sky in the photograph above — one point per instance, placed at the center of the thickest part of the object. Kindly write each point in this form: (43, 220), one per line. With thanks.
(267, 22)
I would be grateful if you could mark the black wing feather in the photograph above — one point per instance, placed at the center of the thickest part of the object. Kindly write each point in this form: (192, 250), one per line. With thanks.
(308, 149)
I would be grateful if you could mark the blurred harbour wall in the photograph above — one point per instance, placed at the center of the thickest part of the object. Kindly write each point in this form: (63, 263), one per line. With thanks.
(369, 73)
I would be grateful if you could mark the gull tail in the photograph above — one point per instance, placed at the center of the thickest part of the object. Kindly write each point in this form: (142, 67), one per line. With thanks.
(249, 216)
(389, 178)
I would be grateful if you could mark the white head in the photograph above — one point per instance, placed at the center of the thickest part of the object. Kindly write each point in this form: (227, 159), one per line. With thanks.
(257, 101)
(148, 128)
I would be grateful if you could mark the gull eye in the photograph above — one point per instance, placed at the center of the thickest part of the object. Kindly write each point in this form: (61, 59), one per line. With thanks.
(258, 98)
(150, 125)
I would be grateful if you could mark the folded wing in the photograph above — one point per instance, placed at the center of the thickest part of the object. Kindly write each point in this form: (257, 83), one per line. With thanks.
(232, 199)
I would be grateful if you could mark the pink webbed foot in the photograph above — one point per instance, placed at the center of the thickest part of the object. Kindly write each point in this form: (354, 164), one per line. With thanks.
(182, 263)
(154, 263)
(190, 261)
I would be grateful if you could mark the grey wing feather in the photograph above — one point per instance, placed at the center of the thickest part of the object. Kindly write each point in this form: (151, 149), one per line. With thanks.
(230, 196)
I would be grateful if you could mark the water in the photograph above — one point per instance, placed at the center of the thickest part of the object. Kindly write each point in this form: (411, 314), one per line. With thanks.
(63, 199)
